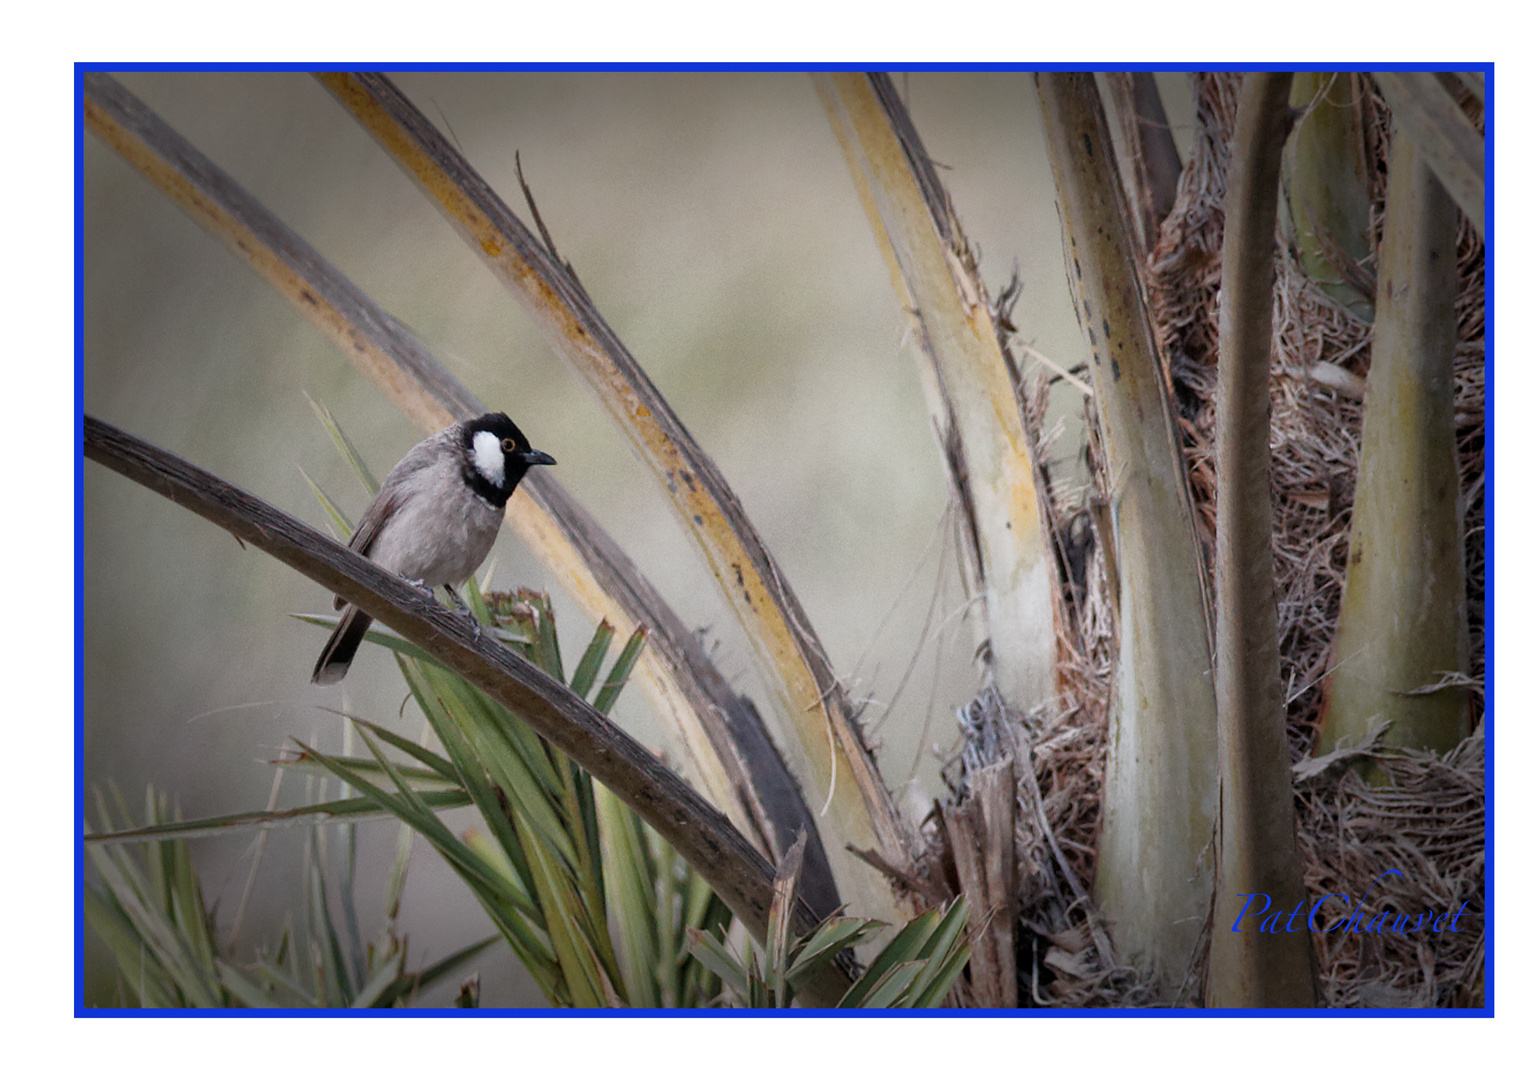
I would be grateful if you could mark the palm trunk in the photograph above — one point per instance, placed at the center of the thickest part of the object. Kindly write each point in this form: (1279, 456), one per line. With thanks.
(1258, 855)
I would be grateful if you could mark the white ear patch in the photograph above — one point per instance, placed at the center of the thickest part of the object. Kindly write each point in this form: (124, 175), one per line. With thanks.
(488, 457)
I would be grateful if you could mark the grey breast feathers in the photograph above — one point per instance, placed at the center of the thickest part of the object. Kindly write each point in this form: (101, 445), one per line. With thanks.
(438, 531)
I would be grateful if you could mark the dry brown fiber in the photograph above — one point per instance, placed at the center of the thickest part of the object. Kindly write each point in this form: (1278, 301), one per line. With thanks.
(1430, 822)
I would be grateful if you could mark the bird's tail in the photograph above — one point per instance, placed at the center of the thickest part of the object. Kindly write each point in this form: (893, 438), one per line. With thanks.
(335, 659)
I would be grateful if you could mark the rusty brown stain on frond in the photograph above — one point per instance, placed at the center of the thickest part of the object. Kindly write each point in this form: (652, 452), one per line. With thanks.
(394, 137)
(170, 176)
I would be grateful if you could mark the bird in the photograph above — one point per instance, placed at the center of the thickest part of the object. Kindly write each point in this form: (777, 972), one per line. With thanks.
(435, 517)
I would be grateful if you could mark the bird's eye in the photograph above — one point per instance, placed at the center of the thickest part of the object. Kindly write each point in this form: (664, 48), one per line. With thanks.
(508, 445)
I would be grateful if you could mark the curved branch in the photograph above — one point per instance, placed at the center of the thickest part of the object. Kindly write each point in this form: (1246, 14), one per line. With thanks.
(700, 833)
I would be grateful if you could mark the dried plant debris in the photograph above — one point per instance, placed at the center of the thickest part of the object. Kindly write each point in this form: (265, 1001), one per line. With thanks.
(1415, 848)
(1320, 363)
(1429, 821)
(1064, 956)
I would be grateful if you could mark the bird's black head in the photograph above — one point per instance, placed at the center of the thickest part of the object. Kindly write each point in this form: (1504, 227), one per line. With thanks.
(496, 456)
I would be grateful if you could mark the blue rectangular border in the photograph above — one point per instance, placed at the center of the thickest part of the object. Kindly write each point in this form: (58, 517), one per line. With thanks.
(1488, 1010)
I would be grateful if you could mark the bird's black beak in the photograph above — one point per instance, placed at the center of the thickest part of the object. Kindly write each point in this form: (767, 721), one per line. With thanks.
(536, 457)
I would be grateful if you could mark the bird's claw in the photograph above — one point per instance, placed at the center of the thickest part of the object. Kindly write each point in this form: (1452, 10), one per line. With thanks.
(466, 610)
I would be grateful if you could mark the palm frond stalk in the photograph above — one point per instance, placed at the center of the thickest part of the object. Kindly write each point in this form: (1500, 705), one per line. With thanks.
(975, 394)
(860, 811)
(1401, 645)
(1257, 851)
(1161, 791)
(1329, 187)
(1443, 135)
(1151, 165)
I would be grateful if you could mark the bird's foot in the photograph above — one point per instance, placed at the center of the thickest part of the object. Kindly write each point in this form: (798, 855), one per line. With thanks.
(466, 610)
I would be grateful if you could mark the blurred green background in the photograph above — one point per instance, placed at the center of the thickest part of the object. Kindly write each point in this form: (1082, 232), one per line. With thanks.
(713, 221)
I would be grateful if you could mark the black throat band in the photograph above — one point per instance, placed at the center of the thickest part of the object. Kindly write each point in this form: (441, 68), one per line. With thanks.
(488, 493)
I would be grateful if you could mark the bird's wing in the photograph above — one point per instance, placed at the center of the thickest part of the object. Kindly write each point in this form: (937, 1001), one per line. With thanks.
(380, 510)
(366, 529)
(391, 493)
(388, 497)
